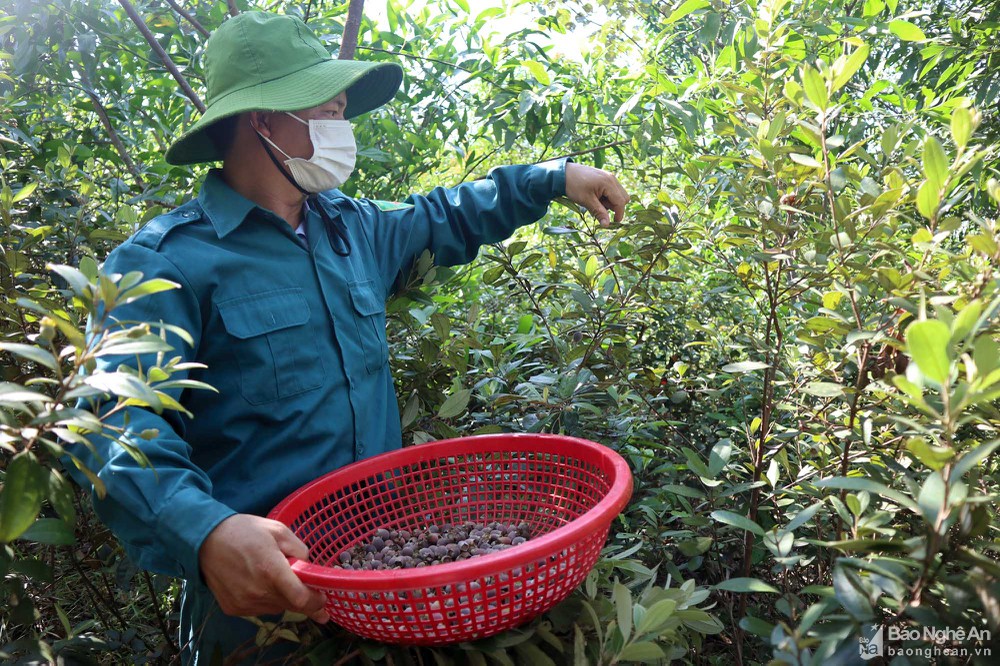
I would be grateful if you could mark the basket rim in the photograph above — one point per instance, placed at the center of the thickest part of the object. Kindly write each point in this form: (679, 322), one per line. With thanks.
(596, 518)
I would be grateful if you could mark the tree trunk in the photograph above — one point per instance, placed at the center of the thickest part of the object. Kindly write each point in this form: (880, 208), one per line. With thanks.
(349, 40)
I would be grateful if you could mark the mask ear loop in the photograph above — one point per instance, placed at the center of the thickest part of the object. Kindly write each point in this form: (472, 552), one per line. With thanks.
(332, 228)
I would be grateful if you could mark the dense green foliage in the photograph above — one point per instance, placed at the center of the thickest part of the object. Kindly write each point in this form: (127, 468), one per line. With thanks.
(794, 336)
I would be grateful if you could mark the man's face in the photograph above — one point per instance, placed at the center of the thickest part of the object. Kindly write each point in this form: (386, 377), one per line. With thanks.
(293, 136)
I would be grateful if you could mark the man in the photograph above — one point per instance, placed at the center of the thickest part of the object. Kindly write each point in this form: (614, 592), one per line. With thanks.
(283, 281)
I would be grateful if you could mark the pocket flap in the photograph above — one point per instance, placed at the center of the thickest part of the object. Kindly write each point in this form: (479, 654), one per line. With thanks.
(257, 314)
(365, 299)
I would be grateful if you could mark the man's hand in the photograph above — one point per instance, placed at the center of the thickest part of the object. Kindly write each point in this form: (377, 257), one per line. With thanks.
(243, 562)
(597, 191)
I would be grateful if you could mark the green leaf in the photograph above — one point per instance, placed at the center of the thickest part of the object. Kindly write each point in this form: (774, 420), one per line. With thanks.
(846, 585)
(972, 458)
(874, 487)
(815, 87)
(579, 647)
(455, 404)
(823, 389)
(537, 70)
(124, 385)
(934, 457)
(851, 66)
(744, 366)
(927, 345)
(686, 8)
(411, 410)
(757, 626)
(908, 32)
(736, 520)
(623, 608)
(33, 568)
(931, 498)
(986, 354)
(719, 456)
(61, 496)
(643, 651)
(961, 126)
(25, 192)
(962, 325)
(805, 160)
(746, 585)
(21, 496)
(696, 546)
(867, 545)
(32, 353)
(935, 163)
(12, 394)
(803, 516)
(928, 199)
(50, 531)
(148, 287)
(77, 281)
(657, 614)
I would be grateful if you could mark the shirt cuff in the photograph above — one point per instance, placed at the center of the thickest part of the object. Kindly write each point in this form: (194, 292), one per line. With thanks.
(187, 518)
(549, 179)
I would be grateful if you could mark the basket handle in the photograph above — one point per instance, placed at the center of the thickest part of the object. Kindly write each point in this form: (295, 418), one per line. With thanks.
(296, 564)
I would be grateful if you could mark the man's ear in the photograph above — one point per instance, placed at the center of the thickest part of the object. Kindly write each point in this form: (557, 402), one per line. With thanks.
(261, 121)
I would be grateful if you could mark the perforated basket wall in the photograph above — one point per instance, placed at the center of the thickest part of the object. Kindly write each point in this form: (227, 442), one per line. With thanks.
(567, 489)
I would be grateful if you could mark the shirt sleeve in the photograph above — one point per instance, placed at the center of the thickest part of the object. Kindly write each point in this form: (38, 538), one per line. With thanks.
(163, 512)
(453, 223)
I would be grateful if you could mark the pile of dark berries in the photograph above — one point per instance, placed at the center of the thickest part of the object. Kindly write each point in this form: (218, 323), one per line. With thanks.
(433, 544)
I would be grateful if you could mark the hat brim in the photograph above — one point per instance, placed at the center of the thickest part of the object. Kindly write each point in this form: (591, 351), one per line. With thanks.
(369, 85)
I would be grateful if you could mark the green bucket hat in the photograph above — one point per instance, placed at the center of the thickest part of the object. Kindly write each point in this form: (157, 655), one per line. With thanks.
(259, 61)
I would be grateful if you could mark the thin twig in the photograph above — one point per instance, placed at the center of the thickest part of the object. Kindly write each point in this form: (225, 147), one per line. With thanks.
(160, 620)
(190, 19)
(621, 142)
(233, 9)
(102, 113)
(164, 58)
(347, 658)
(349, 40)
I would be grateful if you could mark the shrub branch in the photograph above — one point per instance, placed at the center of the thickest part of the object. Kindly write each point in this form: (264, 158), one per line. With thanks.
(164, 58)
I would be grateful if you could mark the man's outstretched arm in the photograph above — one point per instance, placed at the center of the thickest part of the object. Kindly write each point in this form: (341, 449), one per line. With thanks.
(453, 223)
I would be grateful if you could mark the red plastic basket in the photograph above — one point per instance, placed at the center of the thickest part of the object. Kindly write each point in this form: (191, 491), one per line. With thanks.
(567, 489)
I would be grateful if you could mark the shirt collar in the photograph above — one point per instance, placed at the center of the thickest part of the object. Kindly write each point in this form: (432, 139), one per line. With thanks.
(225, 207)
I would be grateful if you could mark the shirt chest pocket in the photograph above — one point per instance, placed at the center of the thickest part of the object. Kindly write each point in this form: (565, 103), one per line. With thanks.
(276, 353)
(369, 316)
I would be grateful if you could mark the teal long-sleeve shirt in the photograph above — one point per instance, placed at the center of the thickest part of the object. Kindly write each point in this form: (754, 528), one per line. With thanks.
(293, 337)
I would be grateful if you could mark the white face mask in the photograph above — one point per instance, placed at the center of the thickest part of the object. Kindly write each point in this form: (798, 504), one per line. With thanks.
(332, 161)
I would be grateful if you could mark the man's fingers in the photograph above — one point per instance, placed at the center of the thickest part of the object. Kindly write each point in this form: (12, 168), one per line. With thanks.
(617, 204)
(290, 544)
(296, 594)
(598, 210)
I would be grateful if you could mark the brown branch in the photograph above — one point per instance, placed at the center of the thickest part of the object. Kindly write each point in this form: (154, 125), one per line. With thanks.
(102, 113)
(190, 19)
(349, 40)
(168, 636)
(620, 142)
(233, 9)
(164, 58)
